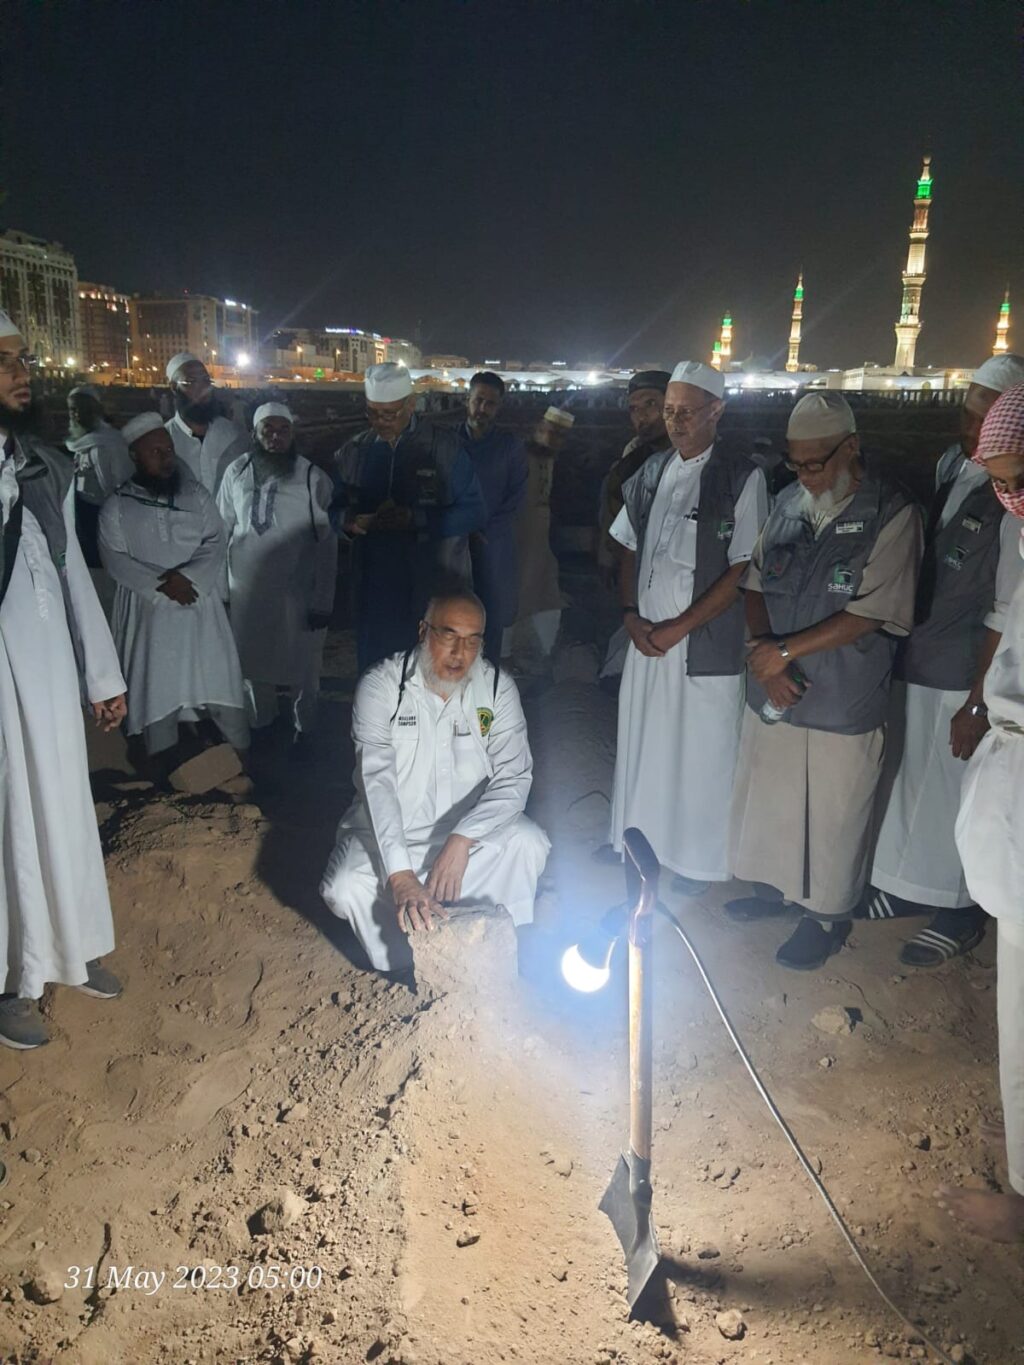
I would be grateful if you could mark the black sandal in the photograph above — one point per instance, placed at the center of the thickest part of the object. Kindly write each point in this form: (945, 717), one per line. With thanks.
(950, 934)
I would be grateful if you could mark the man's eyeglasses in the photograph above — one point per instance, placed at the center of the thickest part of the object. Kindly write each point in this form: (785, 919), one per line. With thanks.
(452, 638)
(685, 413)
(816, 466)
(11, 364)
(205, 383)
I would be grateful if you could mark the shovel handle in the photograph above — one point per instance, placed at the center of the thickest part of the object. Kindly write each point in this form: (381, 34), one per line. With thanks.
(642, 871)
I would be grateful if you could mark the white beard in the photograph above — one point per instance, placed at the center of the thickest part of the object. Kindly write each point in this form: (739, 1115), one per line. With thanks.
(817, 508)
(444, 688)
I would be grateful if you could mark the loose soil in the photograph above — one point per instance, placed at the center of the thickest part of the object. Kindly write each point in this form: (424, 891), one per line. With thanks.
(414, 1177)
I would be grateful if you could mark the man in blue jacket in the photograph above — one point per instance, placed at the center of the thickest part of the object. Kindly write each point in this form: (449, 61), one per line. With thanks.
(499, 460)
(408, 499)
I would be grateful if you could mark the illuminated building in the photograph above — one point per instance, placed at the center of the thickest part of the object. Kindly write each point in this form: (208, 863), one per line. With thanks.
(106, 327)
(1002, 342)
(793, 359)
(220, 332)
(909, 326)
(39, 289)
(721, 352)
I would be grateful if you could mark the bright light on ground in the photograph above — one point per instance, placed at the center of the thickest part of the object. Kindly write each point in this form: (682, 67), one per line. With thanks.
(579, 973)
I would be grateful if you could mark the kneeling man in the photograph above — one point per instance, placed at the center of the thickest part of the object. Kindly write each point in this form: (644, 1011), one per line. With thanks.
(443, 770)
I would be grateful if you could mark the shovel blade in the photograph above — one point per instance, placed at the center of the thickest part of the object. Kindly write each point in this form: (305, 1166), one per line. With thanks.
(627, 1202)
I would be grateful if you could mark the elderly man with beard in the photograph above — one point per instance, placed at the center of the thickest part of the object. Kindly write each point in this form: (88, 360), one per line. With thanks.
(55, 647)
(443, 770)
(499, 460)
(829, 590)
(988, 837)
(688, 526)
(970, 572)
(204, 439)
(282, 568)
(163, 544)
(408, 499)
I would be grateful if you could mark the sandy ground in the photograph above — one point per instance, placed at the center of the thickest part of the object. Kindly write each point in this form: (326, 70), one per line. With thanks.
(325, 1166)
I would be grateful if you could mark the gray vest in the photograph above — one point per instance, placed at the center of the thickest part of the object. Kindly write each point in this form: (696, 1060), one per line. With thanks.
(716, 648)
(956, 591)
(806, 580)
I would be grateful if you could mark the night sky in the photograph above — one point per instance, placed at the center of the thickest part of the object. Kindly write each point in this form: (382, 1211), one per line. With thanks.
(589, 182)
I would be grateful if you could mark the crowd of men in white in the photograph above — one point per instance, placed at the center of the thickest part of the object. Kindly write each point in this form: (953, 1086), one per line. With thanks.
(777, 646)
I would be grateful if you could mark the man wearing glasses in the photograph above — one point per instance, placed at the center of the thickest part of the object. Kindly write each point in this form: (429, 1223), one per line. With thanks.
(829, 590)
(55, 646)
(205, 441)
(443, 770)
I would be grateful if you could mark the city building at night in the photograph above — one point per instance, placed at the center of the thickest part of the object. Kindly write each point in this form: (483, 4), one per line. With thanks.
(221, 332)
(39, 289)
(106, 328)
(1002, 341)
(908, 328)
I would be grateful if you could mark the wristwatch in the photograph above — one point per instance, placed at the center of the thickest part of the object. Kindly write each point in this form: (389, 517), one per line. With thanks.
(783, 649)
(978, 709)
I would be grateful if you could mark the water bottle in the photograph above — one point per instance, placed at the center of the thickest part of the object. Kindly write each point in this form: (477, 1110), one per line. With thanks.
(772, 714)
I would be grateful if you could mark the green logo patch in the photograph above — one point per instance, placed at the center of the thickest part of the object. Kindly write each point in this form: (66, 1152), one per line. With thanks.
(486, 719)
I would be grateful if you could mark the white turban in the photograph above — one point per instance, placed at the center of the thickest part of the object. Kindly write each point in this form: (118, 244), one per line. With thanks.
(141, 426)
(558, 417)
(818, 415)
(178, 362)
(700, 376)
(8, 327)
(387, 383)
(1000, 372)
(271, 410)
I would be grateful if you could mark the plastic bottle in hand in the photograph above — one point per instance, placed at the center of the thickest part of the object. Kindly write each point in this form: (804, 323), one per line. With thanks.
(772, 714)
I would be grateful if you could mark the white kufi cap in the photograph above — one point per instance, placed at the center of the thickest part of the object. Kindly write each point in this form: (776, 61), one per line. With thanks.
(1000, 372)
(818, 415)
(558, 417)
(178, 362)
(272, 410)
(141, 426)
(387, 383)
(8, 327)
(700, 376)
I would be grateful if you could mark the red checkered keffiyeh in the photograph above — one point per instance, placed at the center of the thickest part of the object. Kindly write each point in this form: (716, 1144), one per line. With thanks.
(1002, 433)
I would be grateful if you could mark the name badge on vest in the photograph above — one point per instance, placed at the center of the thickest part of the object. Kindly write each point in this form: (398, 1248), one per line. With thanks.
(842, 578)
(407, 722)
(726, 528)
(849, 528)
(971, 524)
(955, 558)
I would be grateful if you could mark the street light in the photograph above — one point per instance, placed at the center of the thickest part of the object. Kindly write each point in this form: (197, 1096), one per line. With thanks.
(243, 360)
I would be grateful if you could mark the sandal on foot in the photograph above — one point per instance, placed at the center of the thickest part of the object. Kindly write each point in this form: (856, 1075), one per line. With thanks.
(950, 934)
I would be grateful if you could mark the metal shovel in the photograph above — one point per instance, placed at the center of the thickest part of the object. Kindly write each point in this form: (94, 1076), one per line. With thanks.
(627, 1200)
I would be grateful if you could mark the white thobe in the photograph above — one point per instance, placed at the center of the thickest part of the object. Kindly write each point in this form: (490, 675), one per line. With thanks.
(282, 565)
(678, 735)
(207, 457)
(178, 659)
(54, 904)
(102, 463)
(990, 840)
(427, 768)
(916, 857)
